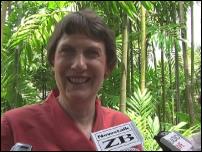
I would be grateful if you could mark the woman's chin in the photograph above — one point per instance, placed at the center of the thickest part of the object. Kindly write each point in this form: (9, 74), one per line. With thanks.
(78, 95)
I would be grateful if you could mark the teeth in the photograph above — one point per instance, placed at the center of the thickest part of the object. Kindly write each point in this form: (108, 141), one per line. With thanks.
(78, 80)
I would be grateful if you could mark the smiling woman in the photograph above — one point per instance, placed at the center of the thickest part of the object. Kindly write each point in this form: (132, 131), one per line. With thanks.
(79, 68)
(82, 54)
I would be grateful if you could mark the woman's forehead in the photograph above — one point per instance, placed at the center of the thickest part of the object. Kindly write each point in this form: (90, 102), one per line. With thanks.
(80, 40)
(78, 36)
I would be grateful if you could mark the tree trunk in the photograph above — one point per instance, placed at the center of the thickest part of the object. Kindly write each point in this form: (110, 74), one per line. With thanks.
(129, 84)
(163, 87)
(170, 98)
(43, 82)
(155, 68)
(186, 70)
(9, 8)
(143, 43)
(5, 5)
(131, 64)
(124, 66)
(192, 50)
(177, 93)
(16, 102)
(154, 55)
(170, 70)
(139, 59)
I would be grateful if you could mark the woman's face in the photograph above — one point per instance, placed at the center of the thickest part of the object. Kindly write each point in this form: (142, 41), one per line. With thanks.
(79, 66)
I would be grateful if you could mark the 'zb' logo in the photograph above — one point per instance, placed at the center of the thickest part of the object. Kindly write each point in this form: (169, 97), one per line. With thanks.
(117, 141)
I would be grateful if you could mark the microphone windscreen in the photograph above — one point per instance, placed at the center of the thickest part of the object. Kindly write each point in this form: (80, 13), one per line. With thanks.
(123, 137)
(173, 141)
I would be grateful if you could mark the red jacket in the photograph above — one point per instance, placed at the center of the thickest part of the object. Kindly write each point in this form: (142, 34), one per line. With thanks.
(47, 127)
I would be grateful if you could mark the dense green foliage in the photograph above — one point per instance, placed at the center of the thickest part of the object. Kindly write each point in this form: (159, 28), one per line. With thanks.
(26, 76)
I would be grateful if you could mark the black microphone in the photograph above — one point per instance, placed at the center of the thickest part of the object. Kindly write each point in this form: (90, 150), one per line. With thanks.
(173, 141)
(123, 137)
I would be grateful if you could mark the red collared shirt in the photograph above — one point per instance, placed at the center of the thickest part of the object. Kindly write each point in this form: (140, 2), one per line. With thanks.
(47, 127)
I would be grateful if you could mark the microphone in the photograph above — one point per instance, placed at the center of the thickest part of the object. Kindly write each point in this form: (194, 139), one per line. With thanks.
(21, 147)
(123, 137)
(173, 141)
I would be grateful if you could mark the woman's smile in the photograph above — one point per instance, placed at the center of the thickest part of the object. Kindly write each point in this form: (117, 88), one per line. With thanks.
(78, 80)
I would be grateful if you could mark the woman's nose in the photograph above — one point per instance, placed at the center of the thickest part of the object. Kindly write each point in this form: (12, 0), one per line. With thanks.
(79, 63)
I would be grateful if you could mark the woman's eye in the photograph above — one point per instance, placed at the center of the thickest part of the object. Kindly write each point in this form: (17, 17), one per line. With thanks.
(92, 53)
(67, 51)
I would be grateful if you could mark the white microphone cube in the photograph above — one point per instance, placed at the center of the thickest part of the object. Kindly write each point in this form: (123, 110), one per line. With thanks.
(124, 137)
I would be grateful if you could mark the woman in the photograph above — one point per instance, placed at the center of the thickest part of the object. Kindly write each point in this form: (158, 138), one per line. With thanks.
(82, 53)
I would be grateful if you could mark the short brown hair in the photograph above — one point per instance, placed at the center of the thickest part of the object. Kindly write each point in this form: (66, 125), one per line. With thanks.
(88, 23)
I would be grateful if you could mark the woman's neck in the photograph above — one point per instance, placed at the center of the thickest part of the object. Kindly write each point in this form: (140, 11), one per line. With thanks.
(82, 112)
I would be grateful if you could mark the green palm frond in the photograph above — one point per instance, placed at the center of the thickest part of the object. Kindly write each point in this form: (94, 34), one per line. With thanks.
(22, 54)
(141, 103)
